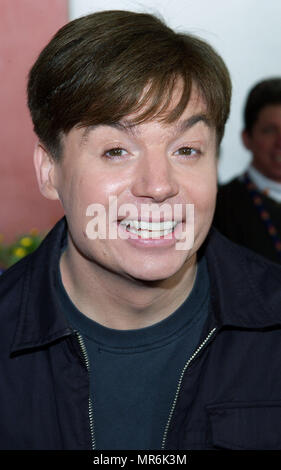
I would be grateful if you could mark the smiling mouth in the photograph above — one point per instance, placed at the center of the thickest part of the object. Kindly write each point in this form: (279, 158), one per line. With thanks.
(146, 230)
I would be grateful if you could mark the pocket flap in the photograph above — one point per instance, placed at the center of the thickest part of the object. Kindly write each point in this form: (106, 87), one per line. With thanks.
(251, 426)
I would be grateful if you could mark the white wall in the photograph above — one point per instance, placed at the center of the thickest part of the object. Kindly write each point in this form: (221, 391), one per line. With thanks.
(246, 33)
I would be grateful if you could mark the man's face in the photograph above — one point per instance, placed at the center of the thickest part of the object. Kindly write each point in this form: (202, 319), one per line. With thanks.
(265, 142)
(151, 163)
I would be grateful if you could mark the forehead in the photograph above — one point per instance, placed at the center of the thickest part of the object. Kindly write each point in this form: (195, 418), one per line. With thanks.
(270, 112)
(195, 112)
(165, 109)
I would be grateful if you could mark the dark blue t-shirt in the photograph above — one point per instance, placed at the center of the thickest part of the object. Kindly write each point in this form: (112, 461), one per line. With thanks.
(134, 374)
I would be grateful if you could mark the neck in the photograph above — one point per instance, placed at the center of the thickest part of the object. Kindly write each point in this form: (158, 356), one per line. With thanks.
(120, 302)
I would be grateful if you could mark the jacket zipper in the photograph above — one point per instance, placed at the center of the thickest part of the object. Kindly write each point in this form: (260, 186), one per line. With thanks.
(179, 385)
(90, 405)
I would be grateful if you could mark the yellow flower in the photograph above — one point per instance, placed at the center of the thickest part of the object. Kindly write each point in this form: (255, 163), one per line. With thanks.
(26, 241)
(19, 252)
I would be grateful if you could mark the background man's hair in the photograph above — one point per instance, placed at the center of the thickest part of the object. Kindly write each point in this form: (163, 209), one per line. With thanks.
(264, 93)
(96, 68)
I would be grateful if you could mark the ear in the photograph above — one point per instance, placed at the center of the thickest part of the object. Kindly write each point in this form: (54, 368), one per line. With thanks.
(45, 167)
(247, 140)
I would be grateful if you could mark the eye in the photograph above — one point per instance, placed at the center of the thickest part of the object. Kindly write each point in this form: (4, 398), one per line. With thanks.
(188, 152)
(115, 153)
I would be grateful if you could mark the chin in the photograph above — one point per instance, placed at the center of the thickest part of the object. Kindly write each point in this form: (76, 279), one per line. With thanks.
(156, 273)
(152, 277)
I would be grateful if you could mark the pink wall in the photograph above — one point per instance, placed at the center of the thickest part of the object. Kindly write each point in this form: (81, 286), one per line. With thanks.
(25, 28)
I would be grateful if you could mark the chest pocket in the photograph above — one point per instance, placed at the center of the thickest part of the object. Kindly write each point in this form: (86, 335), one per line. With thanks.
(246, 426)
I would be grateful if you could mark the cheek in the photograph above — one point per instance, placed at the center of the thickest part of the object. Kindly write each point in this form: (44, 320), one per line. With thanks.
(261, 145)
(203, 193)
(206, 202)
(97, 188)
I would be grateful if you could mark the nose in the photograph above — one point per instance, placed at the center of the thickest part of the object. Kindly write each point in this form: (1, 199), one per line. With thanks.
(155, 178)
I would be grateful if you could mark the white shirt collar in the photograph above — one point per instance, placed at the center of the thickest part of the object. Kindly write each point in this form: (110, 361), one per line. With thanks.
(267, 186)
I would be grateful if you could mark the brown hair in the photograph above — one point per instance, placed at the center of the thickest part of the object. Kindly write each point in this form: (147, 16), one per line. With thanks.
(95, 69)
(264, 93)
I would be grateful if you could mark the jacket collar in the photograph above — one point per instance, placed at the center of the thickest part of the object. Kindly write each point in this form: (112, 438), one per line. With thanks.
(40, 319)
(245, 289)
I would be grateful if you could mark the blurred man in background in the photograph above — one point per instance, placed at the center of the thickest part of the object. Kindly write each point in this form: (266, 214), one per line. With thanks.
(249, 207)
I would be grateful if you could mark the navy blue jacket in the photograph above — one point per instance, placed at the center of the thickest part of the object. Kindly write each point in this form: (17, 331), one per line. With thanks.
(229, 395)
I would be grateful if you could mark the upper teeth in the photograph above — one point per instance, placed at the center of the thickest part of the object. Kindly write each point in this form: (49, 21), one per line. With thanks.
(151, 226)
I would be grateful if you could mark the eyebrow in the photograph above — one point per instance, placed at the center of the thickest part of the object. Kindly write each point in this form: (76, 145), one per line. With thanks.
(129, 128)
(180, 127)
(191, 121)
(126, 127)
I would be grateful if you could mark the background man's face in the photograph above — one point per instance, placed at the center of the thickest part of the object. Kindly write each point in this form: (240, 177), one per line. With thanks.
(265, 142)
(151, 163)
